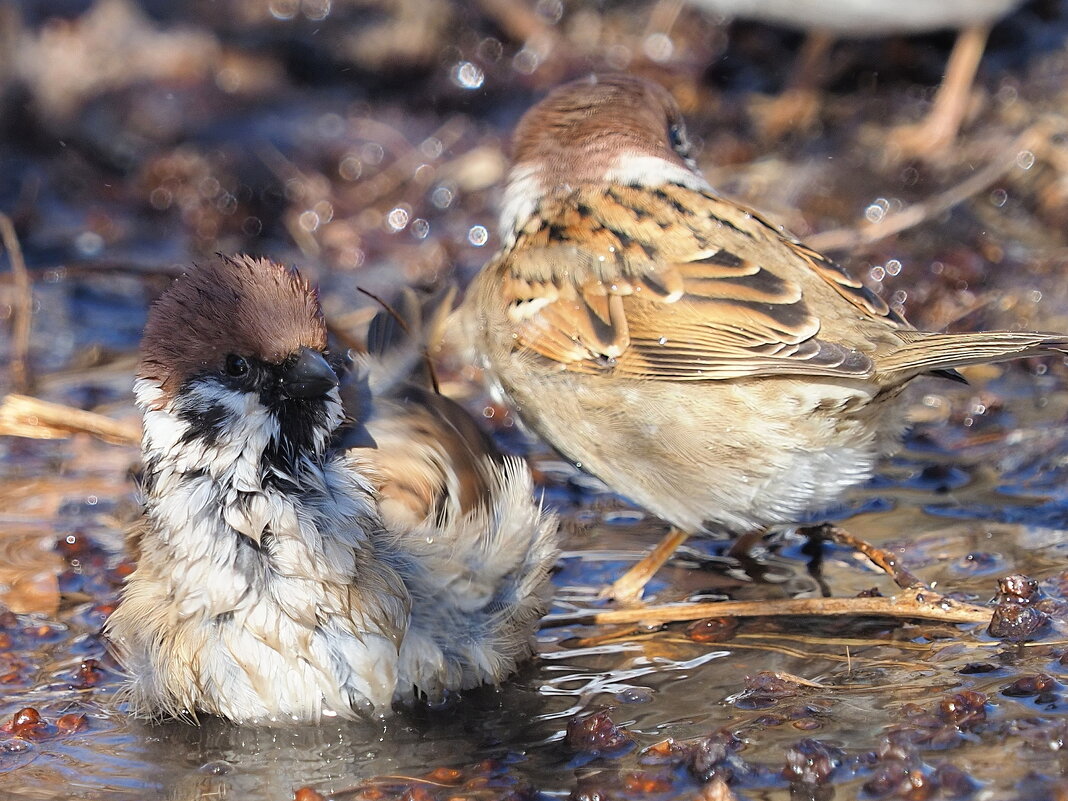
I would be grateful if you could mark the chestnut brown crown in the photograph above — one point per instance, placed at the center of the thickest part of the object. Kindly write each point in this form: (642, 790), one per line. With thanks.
(242, 305)
(579, 131)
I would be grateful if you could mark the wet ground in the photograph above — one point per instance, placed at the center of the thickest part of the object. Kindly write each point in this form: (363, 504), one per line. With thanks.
(363, 141)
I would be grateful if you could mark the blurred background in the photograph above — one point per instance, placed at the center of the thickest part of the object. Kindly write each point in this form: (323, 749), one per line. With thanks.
(365, 141)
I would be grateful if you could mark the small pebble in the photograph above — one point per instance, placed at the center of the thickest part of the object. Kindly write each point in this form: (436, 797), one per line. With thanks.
(597, 734)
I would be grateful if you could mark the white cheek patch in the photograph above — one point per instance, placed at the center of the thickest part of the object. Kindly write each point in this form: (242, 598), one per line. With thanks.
(653, 171)
(521, 197)
(244, 431)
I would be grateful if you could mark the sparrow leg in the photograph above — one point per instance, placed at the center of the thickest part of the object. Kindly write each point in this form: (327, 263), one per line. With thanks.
(884, 560)
(935, 133)
(627, 589)
(742, 546)
(813, 549)
(797, 107)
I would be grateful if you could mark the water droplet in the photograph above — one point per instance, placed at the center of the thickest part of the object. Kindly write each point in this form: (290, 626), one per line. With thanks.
(350, 168)
(397, 219)
(330, 125)
(284, 9)
(526, 61)
(658, 47)
(550, 10)
(876, 211)
(160, 198)
(89, 243)
(325, 210)
(467, 75)
(316, 10)
(441, 197)
(478, 235)
(373, 153)
(432, 147)
(490, 50)
(218, 767)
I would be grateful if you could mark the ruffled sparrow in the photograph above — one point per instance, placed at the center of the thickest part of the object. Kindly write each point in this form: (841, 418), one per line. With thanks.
(274, 583)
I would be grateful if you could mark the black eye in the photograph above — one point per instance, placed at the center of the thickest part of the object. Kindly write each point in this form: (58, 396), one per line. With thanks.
(236, 366)
(677, 135)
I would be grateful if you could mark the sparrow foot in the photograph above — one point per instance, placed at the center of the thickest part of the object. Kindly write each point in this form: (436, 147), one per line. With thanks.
(938, 131)
(883, 559)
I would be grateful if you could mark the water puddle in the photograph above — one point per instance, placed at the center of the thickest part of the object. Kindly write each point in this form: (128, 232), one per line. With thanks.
(366, 148)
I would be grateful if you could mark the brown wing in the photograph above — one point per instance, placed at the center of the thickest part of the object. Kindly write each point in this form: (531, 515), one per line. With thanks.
(658, 288)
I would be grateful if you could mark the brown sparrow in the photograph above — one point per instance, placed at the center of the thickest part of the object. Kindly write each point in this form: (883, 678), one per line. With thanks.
(678, 346)
(269, 588)
(826, 19)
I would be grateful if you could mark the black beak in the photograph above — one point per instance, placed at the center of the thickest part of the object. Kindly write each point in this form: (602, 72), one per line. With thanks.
(308, 376)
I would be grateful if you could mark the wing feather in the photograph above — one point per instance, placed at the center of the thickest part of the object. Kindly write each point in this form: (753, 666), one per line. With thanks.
(654, 284)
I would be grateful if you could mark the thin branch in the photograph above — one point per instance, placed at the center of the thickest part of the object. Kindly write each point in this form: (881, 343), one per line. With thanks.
(916, 603)
(518, 21)
(22, 317)
(23, 416)
(840, 239)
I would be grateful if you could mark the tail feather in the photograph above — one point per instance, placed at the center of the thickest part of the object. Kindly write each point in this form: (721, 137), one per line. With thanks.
(400, 337)
(928, 352)
(477, 587)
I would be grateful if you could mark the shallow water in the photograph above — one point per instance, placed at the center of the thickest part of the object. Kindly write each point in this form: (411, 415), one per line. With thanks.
(231, 128)
(995, 511)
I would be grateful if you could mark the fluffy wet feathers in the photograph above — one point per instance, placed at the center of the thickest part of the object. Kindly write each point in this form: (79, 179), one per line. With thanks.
(476, 546)
(273, 583)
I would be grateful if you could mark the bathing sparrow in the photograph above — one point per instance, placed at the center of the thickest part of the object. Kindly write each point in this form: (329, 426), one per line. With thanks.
(271, 585)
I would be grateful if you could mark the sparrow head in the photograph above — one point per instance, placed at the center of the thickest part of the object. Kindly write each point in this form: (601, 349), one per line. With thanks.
(235, 341)
(600, 118)
(599, 130)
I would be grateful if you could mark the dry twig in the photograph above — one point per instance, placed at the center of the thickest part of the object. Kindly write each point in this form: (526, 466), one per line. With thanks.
(918, 603)
(882, 559)
(841, 239)
(519, 22)
(23, 311)
(23, 416)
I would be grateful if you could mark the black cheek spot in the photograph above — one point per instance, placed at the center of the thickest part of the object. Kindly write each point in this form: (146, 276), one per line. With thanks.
(205, 423)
